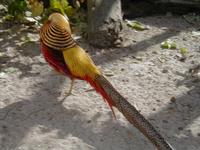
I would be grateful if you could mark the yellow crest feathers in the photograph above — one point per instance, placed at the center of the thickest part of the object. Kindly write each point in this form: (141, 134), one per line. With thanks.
(60, 21)
(55, 33)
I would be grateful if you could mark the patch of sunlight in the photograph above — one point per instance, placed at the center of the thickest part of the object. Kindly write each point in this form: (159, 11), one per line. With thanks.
(194, 127)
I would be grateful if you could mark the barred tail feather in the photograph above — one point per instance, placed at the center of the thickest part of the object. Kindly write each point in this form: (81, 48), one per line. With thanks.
(114, 98)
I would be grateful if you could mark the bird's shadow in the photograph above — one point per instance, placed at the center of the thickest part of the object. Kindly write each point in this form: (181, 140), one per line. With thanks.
(45, 114)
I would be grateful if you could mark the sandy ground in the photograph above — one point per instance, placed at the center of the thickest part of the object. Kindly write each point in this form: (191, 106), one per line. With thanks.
(152, 79)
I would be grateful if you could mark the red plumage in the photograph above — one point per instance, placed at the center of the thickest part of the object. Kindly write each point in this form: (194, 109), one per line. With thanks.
(56, 60)
(100, 90)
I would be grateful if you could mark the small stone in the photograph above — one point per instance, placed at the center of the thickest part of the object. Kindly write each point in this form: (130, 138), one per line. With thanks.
(184, 39)
(154, 52)
(2, 54)
(165, 71)
(3, 75)
(195, 33)
(182, 59)
(30, 19)
(164, 28)
(192, 62)
(180, 128)
(4, 127)
(165, 121)
(125, 80)
(173, 99)
(118, 43)
(108, 73)
(89, 121)
(154, 109)
(139, 58)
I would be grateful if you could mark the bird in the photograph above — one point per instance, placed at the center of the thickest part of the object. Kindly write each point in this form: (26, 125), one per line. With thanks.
(67, 57)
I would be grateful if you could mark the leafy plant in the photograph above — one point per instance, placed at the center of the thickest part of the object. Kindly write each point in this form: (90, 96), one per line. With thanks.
(36, 7)
(16, 8)
(168, 44)
(61, 6)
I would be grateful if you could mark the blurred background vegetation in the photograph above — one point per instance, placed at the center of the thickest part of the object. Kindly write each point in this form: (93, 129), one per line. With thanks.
(19, 11)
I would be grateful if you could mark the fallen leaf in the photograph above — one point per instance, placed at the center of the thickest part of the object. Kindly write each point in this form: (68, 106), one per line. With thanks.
(137, 25)
(168, 44)
(183, 50)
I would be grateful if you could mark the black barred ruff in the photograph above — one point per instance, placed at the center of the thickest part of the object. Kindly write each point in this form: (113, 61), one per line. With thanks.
(56, 37)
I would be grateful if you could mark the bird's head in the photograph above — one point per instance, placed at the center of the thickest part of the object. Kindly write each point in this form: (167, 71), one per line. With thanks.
(60, 20)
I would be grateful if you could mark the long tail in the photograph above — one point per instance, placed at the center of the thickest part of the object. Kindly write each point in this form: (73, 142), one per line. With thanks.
(104, 87)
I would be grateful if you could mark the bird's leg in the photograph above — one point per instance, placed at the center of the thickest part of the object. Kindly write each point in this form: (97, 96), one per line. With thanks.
(68, 93)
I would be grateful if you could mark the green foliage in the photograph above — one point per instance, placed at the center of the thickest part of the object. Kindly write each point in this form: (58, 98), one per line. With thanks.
(183, 50)
(55, 5)
(15, 11)
(36, 8)
(8, 17)
(61, 6)
(168, 44)
(17, 8)
(136, 25)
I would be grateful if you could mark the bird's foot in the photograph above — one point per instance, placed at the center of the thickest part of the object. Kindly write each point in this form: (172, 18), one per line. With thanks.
(67, 94)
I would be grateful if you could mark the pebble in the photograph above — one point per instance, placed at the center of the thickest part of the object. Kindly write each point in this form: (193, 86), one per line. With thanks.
(180, 128)
(165, 121)
(165, 71)
(173, 99)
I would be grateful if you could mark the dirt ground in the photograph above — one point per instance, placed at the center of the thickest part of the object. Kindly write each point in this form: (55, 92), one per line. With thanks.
(153, 79)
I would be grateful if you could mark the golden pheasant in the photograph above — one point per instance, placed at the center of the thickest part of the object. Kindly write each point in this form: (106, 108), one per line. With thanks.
(62, 52)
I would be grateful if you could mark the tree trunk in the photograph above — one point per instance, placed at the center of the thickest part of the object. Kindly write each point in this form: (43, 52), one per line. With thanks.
(104, 22)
